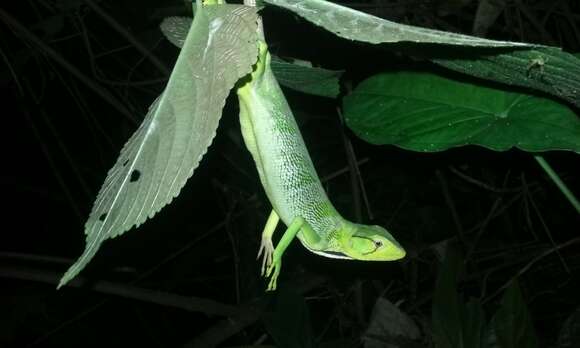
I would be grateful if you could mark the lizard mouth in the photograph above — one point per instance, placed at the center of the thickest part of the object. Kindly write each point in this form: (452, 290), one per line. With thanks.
(335, 255)
(331, 254)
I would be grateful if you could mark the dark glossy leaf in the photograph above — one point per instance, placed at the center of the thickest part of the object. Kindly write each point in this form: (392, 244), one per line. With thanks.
(455, 324)
(512, 323)
(447, 307)
(426, 112)
(299, 77)
(546, 69)
(474, 326)
(309, 80)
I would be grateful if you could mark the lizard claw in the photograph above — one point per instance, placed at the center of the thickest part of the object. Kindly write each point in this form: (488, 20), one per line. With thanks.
(269, 263)
(275, 266)
(267, 248)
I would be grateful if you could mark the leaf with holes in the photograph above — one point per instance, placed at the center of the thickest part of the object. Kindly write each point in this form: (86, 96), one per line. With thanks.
(306, 79)
(221, 47)
(359, 26)
(426, 112)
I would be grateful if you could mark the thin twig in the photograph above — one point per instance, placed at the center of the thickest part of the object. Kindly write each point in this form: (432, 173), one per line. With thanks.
(229, 208)
(482, 184)
(353, 164)
(483, 227)
(549, 233)
(530, 264)
(356, 193)
(451, 205)
(103, 93)
(129, 37)
(188, 303)
(34, 258)
(57, 174)
(342, 171)
(225, 329)
(66, 154)
(535, 23)
(12, 71)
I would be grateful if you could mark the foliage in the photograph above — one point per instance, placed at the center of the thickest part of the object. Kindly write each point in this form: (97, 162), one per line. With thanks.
(426, 112)
(81, 74)
(457, 323)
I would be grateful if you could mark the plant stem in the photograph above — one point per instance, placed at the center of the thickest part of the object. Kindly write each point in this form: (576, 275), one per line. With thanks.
(561, 185)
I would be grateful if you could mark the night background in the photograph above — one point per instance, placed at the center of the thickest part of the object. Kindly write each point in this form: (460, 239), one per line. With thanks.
(491, 241)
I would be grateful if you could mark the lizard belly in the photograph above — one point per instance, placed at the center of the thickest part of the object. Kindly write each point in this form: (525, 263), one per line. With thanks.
(286, 170)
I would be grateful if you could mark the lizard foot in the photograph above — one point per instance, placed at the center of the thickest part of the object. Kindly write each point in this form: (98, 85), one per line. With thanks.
(275, 266)
(267, 248)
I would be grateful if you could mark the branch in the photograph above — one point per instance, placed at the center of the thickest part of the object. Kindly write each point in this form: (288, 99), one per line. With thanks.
(225, 329)
(188, 303)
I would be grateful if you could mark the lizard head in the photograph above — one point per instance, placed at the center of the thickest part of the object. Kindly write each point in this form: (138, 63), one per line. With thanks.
(371, 243)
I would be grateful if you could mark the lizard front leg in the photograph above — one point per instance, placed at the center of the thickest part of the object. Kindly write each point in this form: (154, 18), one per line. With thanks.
(309, 236)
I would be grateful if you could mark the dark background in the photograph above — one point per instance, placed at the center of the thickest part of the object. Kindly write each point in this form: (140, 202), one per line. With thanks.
(60, 138)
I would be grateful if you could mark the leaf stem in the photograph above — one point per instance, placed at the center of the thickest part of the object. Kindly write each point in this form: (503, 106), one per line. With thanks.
(252, 3)
(561, 185)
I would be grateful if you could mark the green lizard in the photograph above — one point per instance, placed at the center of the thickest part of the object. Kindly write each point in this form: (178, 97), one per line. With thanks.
(179, 126)
(292, 185)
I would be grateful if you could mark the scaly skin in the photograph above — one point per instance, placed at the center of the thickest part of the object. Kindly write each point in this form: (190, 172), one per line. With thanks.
(292, 185)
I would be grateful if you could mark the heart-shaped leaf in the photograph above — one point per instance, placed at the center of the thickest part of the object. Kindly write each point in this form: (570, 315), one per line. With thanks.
(426, 112)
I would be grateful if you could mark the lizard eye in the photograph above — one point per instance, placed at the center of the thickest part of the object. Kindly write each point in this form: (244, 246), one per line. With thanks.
(378, 243)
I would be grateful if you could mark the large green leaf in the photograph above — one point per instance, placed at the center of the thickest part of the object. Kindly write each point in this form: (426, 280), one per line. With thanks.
(474, 325)
(455, 324)
(447, 307)
(512, 323)
(153, 166)
(306, 79)
(426, 112)
(547, 69)
(359, 26)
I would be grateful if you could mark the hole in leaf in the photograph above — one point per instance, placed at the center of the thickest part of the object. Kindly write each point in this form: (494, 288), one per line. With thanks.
(125, 163)
(102, 217)
(135, 175)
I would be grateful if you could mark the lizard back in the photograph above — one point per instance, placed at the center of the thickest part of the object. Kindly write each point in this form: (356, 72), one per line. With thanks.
(284, 164)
